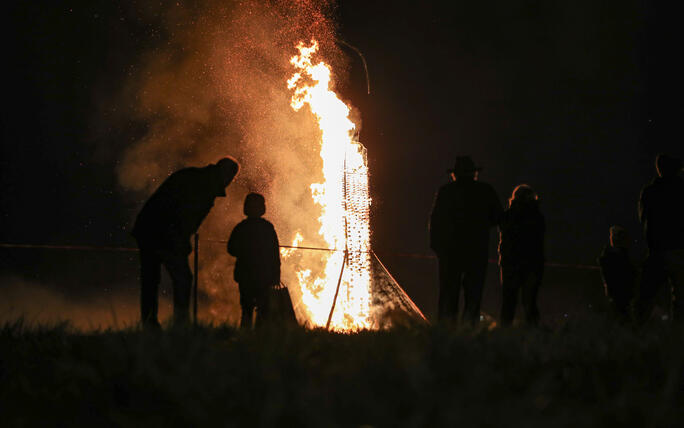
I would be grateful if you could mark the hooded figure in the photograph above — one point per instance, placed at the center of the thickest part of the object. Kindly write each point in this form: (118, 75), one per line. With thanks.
(661, 212)
(463, 213)
(254, 243)
(521, 254)
(163, 229)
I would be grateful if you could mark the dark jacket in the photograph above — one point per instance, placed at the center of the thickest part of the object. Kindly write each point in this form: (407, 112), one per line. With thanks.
(661, 211)
(254, 243)
(463, 213)
(177, 208)
(521, 236)
(619, 274)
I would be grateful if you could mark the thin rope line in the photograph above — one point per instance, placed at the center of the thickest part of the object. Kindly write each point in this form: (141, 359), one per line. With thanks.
(382, 253)
(67, 247)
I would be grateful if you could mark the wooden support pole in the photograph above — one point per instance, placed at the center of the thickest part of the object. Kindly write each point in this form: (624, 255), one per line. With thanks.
(337, 290)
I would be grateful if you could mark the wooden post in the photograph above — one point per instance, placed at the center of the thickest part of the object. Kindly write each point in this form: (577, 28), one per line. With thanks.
(196, 285)
(337, 290)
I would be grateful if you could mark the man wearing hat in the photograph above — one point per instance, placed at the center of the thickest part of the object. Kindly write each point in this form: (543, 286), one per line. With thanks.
(464, 211)
(163, 229)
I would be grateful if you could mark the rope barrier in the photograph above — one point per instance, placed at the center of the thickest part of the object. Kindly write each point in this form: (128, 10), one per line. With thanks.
(219, 241)
(68, 247)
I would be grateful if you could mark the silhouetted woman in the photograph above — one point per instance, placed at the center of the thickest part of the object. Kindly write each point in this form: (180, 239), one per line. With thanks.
(521, 254)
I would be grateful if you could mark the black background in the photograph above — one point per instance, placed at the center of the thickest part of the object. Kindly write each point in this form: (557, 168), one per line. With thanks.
(573, 98)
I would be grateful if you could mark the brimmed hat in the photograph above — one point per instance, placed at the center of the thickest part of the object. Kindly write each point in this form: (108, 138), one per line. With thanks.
(464, 165)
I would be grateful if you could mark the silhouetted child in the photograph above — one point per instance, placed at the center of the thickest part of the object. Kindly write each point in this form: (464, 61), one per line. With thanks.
(521, 254)
(618, 272)
(254, 243)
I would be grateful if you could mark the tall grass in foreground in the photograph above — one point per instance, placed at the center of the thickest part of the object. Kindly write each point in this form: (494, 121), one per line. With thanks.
(584, 373)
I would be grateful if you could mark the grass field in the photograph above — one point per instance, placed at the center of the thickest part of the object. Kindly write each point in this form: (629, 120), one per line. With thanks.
(584, 373)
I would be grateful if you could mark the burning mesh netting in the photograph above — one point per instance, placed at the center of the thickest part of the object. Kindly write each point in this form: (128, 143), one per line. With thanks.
(357, 235)
(390, 303)
(387, 302)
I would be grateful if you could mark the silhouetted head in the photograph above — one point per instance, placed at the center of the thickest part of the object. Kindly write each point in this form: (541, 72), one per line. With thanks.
(255, 205)
(465, 167)
(229, 168)
(523, 194)
(668, 166)
(619, 238)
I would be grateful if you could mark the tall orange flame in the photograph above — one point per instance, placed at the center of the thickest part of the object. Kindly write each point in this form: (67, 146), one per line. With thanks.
(344, 200)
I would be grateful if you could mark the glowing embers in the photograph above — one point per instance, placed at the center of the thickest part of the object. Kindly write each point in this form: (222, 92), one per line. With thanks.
(344, 200)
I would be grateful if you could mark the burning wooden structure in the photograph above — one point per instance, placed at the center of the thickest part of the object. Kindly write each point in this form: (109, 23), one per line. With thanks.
(353, 290)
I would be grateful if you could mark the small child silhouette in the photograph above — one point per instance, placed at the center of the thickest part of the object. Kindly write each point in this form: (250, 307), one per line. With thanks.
(618, 271)
(254, 243)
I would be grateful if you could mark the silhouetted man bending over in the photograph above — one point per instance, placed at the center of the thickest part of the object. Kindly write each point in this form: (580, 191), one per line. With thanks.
(163, 229)
(661, 211)
(463, 213)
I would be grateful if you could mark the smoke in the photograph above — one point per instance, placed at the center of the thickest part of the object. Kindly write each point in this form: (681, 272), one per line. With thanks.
(215, 85)
(43, 304)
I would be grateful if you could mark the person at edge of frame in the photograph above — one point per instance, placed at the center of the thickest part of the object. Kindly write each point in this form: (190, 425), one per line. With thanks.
(163, 229)
(521, 255)
(463, 213)
(661, 212)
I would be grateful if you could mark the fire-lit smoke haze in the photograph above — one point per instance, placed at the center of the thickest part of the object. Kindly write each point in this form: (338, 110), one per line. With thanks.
(217, 85)
(39, 303)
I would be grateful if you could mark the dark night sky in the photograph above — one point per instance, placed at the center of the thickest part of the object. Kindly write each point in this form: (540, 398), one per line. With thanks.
(573, 98)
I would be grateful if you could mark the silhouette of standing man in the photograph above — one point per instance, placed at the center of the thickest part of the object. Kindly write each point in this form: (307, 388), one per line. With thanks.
(464, 212)
(661, 211)
(163, 229)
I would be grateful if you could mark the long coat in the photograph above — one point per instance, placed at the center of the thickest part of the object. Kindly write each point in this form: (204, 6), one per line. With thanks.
(177, 208)
(464, 211)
